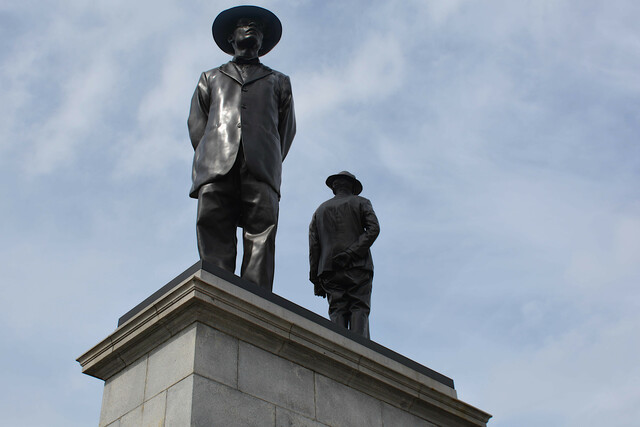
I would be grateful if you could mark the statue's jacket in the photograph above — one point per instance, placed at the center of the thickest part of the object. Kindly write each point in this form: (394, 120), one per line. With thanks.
(227, 110)
(342, 224)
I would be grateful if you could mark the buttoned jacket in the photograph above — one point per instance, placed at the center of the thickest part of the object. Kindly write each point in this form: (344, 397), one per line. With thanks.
(229, 108)
(342, 224)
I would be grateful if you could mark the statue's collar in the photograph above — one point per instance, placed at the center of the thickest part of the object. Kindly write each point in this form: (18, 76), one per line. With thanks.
(232, 70)
(244, 61)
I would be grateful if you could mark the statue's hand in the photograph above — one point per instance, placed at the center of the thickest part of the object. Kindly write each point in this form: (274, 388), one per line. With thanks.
(341, 260)
(318, 291)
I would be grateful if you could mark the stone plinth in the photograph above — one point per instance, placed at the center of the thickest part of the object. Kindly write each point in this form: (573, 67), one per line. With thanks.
(209, 349)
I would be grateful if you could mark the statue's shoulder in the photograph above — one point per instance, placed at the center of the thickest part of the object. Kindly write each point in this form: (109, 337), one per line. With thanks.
(212, 72)
(326, 204)
(323, 205)
(276, 72)
(218, 69)
(362, 200)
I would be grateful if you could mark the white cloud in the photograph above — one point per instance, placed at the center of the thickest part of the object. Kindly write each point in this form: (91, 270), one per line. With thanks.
(75, 121)
(607, 257)
(159, 138)
(570, 380)
(374, 72)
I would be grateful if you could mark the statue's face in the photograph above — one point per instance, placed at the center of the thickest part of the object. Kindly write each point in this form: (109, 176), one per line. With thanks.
(248, 34)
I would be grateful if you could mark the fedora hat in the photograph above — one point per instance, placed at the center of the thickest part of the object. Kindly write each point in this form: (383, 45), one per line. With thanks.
(357, 185)
(225, 24)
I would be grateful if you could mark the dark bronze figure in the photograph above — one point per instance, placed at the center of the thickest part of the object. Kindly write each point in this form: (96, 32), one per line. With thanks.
(341, 268)
(241, 126)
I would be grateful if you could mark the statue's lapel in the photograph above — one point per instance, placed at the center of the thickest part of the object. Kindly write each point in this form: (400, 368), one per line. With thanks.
(232, 71)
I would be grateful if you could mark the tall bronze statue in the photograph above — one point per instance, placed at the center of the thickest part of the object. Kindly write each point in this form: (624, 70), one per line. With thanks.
(341, 268)
(241, 126)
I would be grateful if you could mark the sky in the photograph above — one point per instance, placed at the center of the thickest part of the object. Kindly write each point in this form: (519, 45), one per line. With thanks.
(498, 141)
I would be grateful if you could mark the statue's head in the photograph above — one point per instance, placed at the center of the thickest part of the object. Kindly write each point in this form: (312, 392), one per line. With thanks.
(344, 179)
(248, 34)
(246, 27)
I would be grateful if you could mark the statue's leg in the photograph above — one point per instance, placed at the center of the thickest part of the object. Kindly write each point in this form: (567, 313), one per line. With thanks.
(333, 285)
(259, 221)
(217, 222)
(359, 296)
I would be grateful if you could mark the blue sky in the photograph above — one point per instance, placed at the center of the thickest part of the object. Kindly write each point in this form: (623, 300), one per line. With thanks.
(499, 142)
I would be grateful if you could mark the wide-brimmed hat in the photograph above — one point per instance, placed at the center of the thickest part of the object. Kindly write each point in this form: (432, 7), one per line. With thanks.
(225, 24)
(357, 185)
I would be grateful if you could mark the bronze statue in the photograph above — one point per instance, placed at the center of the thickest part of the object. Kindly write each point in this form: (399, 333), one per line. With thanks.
(341, 268)
(241, 126)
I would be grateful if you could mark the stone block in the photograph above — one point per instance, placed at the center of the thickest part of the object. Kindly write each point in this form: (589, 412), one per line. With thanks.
(216, 356)
(394, 417)
(339, 405)
(285, 418)
(274, 379)
(153, 411)
(179, 404)
(171, 362)
(123, 392)
(132, 419)
(216, 404)
(129, 352)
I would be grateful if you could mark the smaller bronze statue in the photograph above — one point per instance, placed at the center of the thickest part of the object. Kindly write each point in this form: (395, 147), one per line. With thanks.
(341, 268)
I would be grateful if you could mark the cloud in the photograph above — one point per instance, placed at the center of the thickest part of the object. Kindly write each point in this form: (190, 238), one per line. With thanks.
(373, 73)
(572, 361)
(608, 257)
(74, 121)
(158, 138)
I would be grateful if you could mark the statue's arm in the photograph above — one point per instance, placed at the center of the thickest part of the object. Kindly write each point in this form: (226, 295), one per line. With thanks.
(314, 251)
(199, 113)
(314, 257)
(360, 248)
(286, 116)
